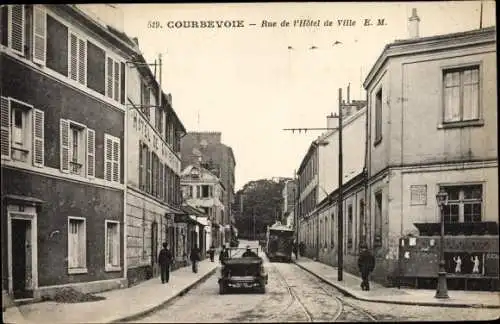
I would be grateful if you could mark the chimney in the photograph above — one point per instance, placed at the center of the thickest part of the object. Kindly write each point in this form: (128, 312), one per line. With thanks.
(348, 93)
(332, 122)
(413, 23)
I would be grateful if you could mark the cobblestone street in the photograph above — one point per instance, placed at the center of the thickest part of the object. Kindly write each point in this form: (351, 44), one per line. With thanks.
(294, 295)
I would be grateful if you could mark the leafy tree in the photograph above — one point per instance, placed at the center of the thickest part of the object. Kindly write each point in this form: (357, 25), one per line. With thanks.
(264, 199)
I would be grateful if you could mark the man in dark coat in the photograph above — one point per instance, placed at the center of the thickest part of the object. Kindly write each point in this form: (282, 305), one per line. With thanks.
(302, 248)
(211, 253)
(249, 253)
(295, 249)
(195, 257)
(224, 255)
(366, 264)
(165, 260)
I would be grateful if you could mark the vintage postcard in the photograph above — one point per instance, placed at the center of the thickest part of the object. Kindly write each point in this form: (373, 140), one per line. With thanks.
(249, 162)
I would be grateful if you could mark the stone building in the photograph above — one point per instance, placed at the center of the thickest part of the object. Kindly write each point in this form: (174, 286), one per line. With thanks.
(63, 151)
(219, 159)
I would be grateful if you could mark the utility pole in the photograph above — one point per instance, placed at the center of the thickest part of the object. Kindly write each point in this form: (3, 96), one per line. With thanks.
(340, 223)
(340, 228)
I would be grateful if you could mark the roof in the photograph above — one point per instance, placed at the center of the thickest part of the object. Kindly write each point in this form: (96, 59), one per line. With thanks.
(432, 43)
(187, 171)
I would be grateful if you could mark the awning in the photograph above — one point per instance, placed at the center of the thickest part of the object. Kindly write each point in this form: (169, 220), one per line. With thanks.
(26, 200)
(174, 211)
(203, 221)
(184, 218)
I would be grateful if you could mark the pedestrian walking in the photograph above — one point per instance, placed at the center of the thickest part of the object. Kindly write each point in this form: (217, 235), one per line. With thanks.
(165, 260)
(224, 255)
(211, 253)
(302, 248)
(195, 257)
(366, 264)
(295, 249)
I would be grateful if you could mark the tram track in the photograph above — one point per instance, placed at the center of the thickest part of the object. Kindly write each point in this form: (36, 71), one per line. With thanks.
(345, 310)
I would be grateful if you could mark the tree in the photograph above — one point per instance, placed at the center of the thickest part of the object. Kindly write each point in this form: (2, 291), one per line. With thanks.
(262, 197)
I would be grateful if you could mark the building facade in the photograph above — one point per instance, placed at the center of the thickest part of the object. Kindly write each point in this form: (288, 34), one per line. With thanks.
(62, 148)
(289, 195)
(318, 221)
(204, 190)
(153, 177)
(219, 159)
(432, 122)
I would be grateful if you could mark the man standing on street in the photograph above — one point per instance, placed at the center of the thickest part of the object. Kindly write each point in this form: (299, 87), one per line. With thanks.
(195, 257)
(165, 260)
(366, 264)
(211, 252)
(224, 255)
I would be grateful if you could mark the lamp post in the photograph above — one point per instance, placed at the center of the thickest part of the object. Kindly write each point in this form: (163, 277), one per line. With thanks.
(442, 289)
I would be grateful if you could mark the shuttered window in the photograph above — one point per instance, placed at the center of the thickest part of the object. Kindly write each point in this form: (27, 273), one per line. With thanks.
(112, 160)
(57, 46)
(16, 38)
(39, 34)
(5, 128)
(90, 153)
(22, 132)
(78, 59)
(38, 138)
(113, 79)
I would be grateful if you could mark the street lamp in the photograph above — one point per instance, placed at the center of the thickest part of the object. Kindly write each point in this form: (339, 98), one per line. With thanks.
(442, 289)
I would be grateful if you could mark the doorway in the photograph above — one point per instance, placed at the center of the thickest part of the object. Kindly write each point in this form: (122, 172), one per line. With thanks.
(22, 253)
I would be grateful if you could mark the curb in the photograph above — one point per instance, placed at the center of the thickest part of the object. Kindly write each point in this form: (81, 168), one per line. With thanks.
(398, 302)
(165, 302)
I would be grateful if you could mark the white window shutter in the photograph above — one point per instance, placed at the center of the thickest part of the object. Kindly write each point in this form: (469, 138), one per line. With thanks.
(116, 80)
(73, 57)
(109, 77)
(38, 138)
(108, 158)
(116, 160)
(90, 153)
(5, 127)
(16, 28)
(82, 62)
(116, 245)
(64, 129)
(39, 35)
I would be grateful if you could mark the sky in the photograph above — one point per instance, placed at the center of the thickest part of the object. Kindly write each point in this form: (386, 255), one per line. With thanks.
(246, 83)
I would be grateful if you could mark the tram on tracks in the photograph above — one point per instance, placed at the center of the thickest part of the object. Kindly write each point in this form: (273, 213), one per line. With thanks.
(279, 242)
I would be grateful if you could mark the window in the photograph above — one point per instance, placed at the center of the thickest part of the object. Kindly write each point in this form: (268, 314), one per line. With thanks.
(78, 59)
(39, 34)
(14, 38)
(143, 167)
(96, 67)
(332, 230)
(113, 79)
(77, 248)
(112, 248)
(145, 99)
(22, 132)
(77, 148)
(57, 46)
(461, 94)
(361, 219)
(206, 191)
(378, 116)
(464, 204)
(349, 226)
(111, 158)
(378, 219)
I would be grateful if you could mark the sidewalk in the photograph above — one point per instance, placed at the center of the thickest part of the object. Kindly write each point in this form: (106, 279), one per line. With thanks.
(119, 305)
(350, 285)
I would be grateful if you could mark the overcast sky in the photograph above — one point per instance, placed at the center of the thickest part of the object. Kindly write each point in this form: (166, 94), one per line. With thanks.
(245, 83)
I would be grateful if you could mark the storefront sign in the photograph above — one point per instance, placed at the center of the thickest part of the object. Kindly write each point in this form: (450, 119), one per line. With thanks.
(418, 195)
(155, 143)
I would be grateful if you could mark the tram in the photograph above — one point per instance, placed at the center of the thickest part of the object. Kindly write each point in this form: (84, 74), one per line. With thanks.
(279, 243)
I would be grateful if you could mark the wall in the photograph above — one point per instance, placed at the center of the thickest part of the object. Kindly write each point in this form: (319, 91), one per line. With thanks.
(63, 198)
(353, 147)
